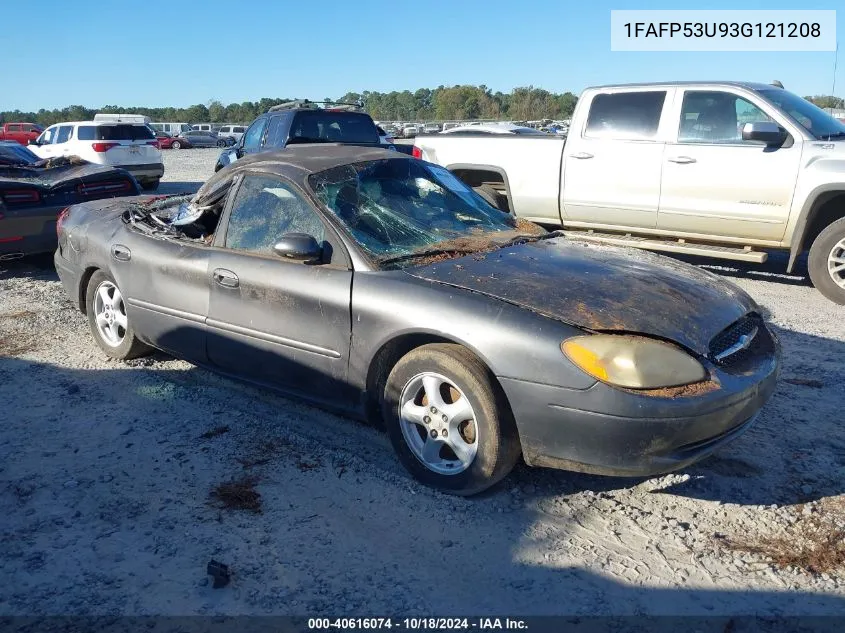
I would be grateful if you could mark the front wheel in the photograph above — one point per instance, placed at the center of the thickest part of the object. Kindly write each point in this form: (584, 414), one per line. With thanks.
(221, 143)
(108, 319)
(176, 145)
(448, 421)
(826, 262)
(150, 185)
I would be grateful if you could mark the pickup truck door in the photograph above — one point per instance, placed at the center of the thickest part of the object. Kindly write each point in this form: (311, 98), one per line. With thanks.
(716, 184)
(274, 320)
(612, 163)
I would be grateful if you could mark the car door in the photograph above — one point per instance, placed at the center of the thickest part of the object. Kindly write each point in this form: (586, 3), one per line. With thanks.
(611, 171)
(715, 183)
(274, 320)
(62, 146)
(45, 147)
(165, 283)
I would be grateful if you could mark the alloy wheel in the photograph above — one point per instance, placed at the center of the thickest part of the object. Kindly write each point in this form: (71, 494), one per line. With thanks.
(438, 423)
(110, 314)
(836, 263)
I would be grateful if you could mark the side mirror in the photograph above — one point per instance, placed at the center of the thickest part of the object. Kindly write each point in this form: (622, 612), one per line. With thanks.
(298, 246)
(765, 131)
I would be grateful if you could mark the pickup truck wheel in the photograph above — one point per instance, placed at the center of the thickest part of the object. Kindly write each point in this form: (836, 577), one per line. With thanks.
(827, 262)
(109, 322)
(448, 421)
(489, 193)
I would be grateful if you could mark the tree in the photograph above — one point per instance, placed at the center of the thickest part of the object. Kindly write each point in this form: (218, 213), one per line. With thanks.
(827, 101)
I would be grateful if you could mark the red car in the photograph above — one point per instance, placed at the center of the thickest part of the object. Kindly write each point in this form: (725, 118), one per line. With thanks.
(22, 133)
(165, 141)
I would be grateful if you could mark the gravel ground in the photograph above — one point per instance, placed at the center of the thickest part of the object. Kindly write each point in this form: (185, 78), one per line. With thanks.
(106, 470)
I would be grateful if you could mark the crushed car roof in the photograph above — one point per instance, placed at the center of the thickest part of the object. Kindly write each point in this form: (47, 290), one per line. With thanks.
(297, 162)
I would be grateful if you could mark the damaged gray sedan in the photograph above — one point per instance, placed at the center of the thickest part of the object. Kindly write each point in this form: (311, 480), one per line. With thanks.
(381, 286)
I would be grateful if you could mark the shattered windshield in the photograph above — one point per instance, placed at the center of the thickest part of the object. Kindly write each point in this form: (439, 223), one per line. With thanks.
(395, 208)
(15, 154)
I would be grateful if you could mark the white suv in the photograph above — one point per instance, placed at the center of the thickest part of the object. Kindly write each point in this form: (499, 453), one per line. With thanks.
(132, 146)
(235, 131)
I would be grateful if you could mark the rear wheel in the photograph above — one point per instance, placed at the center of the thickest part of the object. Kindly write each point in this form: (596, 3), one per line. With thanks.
(108, 319)
(150, 185)
(489, 193)
(827, 262)
(448, 421)
(176, 145)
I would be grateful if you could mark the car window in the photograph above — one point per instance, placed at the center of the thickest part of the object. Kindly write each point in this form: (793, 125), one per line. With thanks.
(238, 130)
(717, 117)
(49, 136)
(63, 134)
(625, 115)
(316, 126)
(264, 209)
(14, 128)
(252, 138)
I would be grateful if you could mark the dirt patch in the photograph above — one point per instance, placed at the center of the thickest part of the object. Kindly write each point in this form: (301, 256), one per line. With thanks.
(814, 544)
(16, 344)
(526, 226)
(238, 494)
(215, 432)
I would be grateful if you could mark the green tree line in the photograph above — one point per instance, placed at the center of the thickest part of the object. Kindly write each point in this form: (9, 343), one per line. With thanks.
(443, 103)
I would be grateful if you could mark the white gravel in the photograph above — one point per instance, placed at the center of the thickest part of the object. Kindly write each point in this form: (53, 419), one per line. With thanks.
(105, 480)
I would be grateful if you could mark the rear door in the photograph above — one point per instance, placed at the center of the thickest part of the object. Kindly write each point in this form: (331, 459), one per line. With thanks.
(274, 320)
(166, 286)
(612, 165)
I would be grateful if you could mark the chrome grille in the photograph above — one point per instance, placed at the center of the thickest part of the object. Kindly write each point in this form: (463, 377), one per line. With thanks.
(738, 341)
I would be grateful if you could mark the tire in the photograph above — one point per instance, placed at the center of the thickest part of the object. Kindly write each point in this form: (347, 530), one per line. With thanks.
(489, 193)
(150, 185)
(176, 145)
(221, 143)
(826, 262)
(486, 432)
(100, 287)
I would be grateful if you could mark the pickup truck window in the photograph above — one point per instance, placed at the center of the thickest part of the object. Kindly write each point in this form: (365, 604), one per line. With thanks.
(716, 117)
(812, 118)
(625, 115)
(14, 128)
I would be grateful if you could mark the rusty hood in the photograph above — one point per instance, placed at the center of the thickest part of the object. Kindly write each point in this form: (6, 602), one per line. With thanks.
(601, 288)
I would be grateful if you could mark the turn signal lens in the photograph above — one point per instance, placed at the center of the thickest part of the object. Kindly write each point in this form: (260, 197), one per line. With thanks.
(634, 362)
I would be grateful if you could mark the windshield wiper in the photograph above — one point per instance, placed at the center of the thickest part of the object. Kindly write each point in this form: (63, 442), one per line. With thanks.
(308, 139)
(827, 137)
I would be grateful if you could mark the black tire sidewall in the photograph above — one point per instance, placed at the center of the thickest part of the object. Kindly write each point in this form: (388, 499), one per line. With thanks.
(817, 261)
(487, 193)
(128, 347)
(487, 466)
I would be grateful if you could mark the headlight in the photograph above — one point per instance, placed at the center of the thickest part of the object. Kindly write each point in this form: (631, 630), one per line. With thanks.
(633, 361)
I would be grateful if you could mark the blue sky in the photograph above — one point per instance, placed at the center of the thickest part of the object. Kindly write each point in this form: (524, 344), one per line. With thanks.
(184, 52)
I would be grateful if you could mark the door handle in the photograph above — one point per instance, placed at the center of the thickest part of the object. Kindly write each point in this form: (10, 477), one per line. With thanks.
(681, 160)
(121, 253)
(225, 278)
(582, 155)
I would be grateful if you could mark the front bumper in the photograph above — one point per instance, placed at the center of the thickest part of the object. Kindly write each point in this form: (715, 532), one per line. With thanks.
(147, 171)
(608, 431)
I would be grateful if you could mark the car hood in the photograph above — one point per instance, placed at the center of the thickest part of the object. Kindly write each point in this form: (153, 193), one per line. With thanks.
(601, 288)
(53, 172)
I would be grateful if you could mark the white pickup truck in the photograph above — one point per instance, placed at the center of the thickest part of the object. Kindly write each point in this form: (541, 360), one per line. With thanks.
(719, 169)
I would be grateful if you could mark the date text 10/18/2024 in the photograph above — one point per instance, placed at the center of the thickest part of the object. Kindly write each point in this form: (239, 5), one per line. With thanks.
(416, 624)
